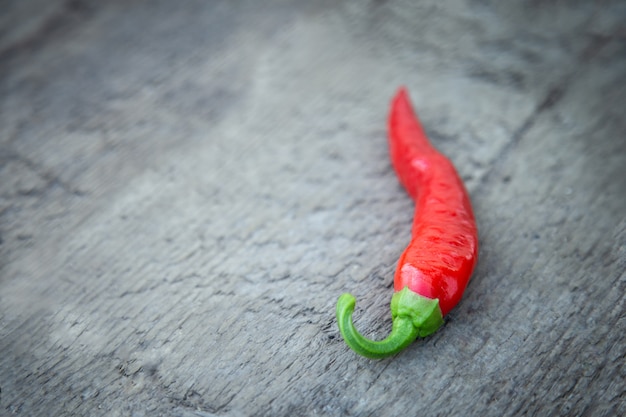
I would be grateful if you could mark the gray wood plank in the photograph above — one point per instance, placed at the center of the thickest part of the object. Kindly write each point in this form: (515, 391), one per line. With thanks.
(186, 189)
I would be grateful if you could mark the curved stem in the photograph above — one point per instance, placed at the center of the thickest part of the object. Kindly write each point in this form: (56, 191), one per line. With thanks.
(413, 315)
(402, 333)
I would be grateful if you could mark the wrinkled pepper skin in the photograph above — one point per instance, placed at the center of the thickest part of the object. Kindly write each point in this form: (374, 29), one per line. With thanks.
(435, 268)
(441, 256)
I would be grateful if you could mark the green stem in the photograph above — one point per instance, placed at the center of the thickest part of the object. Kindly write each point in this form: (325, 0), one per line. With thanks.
(413, 315)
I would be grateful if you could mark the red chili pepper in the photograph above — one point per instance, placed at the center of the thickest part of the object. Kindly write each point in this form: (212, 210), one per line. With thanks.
(434, 269)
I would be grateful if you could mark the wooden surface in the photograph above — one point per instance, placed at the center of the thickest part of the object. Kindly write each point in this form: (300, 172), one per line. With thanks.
(187, 187)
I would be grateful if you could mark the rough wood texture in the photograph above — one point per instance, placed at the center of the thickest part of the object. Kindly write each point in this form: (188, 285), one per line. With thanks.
(187, 187)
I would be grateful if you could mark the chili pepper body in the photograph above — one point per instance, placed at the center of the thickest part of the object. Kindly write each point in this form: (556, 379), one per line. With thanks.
(435, 268)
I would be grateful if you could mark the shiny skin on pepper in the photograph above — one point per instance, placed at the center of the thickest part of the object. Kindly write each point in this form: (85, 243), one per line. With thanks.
(434, 269)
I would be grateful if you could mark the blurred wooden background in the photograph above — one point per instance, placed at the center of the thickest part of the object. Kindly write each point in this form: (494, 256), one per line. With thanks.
(187, 187)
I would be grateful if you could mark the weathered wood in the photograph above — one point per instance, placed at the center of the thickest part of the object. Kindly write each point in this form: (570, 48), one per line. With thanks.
(186, 189)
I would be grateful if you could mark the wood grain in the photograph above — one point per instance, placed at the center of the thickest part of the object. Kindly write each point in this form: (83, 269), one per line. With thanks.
(186, 190)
